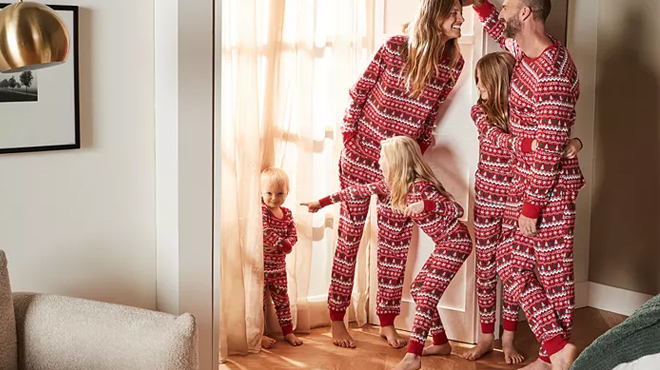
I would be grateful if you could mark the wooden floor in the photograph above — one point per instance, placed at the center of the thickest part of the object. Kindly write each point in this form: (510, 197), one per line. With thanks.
(372, 352)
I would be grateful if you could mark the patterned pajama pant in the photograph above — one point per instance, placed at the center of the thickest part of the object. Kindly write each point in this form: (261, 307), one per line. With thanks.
(394, 235)
(429, 286)
(275, 281)
(488, 213)
(549, 299)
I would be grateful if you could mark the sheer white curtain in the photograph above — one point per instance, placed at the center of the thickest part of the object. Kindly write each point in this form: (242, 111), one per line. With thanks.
(287, 66)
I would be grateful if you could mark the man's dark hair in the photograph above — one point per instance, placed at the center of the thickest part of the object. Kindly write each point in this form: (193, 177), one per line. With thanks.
(540, 8)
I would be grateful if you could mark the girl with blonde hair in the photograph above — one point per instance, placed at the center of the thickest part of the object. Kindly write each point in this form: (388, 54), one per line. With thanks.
(416, 193)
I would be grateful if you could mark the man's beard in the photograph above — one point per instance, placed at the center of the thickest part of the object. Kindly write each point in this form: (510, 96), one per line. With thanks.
(512, 27)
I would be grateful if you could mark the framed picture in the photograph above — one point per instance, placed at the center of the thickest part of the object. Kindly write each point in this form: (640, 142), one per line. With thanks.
(40, 109)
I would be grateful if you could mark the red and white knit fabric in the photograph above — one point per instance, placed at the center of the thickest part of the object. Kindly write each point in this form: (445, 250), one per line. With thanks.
(280, 233)
(542, 100)
(440, 221)
(381, 108)
(492, 182)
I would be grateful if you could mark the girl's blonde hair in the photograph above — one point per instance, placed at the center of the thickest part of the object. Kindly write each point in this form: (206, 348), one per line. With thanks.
(273, 175)
(405, 167)
(425, 47)
(495, 70)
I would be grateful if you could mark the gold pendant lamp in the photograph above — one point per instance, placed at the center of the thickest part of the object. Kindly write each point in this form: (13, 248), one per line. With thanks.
(32, 36)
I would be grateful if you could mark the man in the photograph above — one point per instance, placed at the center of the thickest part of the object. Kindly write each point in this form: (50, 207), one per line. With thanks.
(542, 98)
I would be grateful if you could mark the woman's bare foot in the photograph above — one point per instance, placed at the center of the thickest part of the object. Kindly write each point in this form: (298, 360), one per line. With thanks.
(410, 362)
(340, 336)
(267, 342)
(441, 350)
(484, 346)
(538, 365)
(293, 340)
(563, 359)
(393, 338)
(511, 355)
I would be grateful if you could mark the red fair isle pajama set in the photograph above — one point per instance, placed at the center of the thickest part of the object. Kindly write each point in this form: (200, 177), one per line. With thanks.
(492, 183)
(440, 221)
(280, 233)
(542, 99)
(381, 108)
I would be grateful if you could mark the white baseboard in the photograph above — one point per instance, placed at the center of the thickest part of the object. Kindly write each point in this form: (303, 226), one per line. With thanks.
(617, 300)
(582, 294)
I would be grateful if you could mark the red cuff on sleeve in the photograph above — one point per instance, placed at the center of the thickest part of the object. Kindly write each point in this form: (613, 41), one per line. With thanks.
(348, 136)
(484, 10)
(325, 201)
(429, 205)
(527, 145)
(285, 247)
(530, 210)
(423, 146)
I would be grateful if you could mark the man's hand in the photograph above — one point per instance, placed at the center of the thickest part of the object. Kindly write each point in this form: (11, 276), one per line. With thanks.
(527, 226)
(572, 148)
(473, 2)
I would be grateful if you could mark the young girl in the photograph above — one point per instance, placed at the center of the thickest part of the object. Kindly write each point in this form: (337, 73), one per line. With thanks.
(492, 179)
(280, 236)
(415, 192)
(400, 93)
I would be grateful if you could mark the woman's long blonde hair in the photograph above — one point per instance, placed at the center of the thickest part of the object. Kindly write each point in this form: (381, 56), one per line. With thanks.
(495, 71)
(405, 166)
(426, 47)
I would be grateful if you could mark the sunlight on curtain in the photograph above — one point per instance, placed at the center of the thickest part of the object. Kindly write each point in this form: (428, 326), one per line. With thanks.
(287, 66)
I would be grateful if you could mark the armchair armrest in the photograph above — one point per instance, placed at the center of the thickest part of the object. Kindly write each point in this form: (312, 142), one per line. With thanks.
(58, 333)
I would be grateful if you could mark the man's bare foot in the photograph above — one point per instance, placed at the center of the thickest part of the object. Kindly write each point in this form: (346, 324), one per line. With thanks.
(340, 336)
(393, 338)
(267, 342)
(293, 340)
(433, 350)
(511, 355)
(484, 346)
(563, 359)
(538, 365)
(410, 362)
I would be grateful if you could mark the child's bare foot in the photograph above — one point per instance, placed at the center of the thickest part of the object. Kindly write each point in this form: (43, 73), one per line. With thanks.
(538, 365)
(484, 346)
(563, 359)
(410, 362)
(295, 341)
(393, 338)
(511, 355)
(340, 336)
(267, 342)
(441, 350)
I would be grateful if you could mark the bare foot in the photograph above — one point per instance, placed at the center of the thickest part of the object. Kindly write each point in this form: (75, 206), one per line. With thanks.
(441, 350)
(538, 365)
(340, 336)
(410, 362)
(267, 342)
(484, 346)
(563, 359)
(295, 341)
(393, 338)
(511, 355)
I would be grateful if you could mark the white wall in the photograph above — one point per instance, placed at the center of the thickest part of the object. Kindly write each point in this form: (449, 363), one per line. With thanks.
(82, 222)
(184, 159)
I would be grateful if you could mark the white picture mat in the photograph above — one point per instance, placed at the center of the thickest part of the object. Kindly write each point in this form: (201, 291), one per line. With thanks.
(52, 119)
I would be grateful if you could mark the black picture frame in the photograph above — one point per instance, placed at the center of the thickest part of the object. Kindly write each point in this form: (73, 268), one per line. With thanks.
(73, 58)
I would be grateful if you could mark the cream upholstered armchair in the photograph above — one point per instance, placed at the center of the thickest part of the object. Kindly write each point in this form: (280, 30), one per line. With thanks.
(48, 332)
